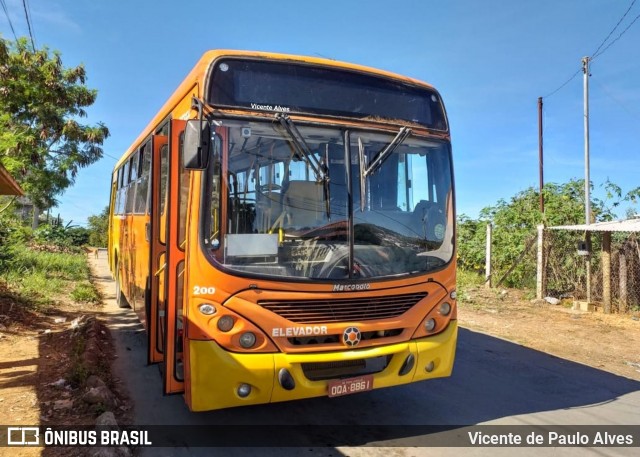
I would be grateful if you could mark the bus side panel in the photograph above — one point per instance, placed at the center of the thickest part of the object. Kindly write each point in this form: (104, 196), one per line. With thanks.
(110, 229)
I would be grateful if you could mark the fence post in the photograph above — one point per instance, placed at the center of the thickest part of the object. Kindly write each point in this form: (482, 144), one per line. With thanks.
(540, 271)
(606, 271)
(487, 263)
(623, 283)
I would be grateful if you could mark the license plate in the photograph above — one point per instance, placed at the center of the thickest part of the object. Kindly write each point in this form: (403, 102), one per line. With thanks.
(341, 387)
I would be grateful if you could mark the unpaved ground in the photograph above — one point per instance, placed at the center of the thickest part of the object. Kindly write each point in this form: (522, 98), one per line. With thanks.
(37, 350)
(44, 359)
(608, 342)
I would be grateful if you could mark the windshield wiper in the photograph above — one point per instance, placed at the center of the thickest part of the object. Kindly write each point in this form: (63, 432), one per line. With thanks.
(303, 152)
(379, 159)
(302, 149)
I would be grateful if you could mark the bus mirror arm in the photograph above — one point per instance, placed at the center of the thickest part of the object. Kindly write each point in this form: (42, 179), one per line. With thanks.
(197, 141)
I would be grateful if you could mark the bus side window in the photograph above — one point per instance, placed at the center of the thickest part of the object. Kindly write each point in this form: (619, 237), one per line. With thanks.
(164, 185)
(133, 177)
(125, 188)
(183, 189)
(142, 191)
(214, 194)
(116, 209)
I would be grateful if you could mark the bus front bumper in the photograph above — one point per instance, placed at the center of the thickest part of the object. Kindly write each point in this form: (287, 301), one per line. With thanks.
(216, 374)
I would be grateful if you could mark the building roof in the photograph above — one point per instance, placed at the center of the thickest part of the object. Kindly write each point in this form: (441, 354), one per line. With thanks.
(629, 225)
(8, 185)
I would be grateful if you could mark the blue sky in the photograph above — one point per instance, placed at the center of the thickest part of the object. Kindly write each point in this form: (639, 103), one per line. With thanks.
(490, 60)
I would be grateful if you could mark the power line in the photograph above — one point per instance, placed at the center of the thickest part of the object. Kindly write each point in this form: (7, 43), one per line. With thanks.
(565, 83)
(599, 51)
(26, 13)
(617, 38)
(30, 14)
(615, 99)
(65, 153)
(594, 54)
(6, 12)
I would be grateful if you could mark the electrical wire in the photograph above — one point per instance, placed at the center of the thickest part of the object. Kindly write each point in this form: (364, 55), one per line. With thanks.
(565, 83)
(594, 54)
(6, 12)
(617, 38)
(600, 50)
(615, 99)
(26, 13)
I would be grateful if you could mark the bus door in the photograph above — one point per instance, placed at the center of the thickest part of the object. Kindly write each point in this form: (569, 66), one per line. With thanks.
(157, 232)
(176, 221)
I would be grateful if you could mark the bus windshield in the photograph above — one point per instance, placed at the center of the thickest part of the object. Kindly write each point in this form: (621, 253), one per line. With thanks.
(295, 202)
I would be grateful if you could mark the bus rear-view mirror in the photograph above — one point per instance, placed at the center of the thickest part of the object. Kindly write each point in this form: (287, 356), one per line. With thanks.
(197, 136)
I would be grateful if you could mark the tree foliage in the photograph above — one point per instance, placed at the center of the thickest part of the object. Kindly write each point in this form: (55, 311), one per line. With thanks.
(64, 237)
(99, 229)
(43, 144)
(514, 227)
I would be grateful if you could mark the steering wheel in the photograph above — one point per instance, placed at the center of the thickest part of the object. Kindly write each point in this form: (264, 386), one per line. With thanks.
(269, 187)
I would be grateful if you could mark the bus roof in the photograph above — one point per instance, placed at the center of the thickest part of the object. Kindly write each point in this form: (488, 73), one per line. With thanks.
(199, 72)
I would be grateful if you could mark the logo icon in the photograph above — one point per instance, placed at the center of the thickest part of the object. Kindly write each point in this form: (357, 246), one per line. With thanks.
(23, 436)
(351, 336)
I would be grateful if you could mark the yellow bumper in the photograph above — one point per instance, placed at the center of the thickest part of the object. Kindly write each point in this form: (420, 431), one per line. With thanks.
(217, 373)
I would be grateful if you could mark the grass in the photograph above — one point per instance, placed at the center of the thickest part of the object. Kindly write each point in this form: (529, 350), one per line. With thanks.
(78, 372)
(44, 278)
(85, 292)
(466, 278)
(72, 267)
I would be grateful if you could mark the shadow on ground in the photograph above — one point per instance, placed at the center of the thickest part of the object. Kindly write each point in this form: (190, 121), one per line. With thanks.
(493, 381)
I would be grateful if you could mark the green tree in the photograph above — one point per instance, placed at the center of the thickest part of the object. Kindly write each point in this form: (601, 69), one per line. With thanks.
(514, 227)
(99, 229)
(471, 243)
(42, 142)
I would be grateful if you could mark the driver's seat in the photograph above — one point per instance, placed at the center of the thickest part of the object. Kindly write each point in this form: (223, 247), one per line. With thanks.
(268, 208)
(303, 204)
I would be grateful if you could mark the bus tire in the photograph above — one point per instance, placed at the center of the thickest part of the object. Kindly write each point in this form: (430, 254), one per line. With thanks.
(121, 300)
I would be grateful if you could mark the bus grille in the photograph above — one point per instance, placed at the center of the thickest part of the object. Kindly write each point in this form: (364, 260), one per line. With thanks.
(343, 309)
(319, 371)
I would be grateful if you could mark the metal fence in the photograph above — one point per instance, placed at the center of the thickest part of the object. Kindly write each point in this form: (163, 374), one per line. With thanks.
(594, 268)
(601, 268)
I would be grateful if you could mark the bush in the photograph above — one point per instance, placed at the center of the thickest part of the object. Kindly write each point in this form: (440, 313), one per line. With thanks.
(62, 237)
(12, 238)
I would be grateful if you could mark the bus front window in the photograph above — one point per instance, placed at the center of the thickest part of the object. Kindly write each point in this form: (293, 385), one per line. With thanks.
(279, 206)
(402, 220)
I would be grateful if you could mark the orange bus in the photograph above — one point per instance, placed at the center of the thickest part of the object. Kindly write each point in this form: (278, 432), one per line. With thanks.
(284, 228)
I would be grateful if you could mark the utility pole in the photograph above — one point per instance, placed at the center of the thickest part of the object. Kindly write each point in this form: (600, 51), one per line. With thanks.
(587, 179)
(540, 154)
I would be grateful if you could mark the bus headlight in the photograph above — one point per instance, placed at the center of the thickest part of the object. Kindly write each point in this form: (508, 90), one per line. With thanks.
(445, 309)
(429, 325)
(207, 309)
(247, 340)
(225, 323)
